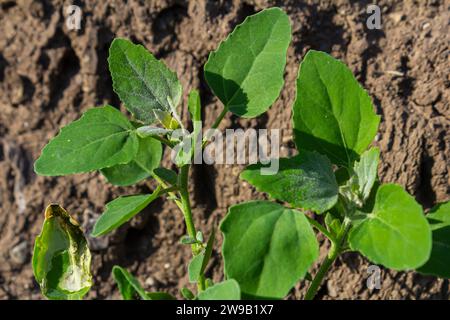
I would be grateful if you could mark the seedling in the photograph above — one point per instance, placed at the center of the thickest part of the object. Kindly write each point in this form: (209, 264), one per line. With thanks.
(268, 247)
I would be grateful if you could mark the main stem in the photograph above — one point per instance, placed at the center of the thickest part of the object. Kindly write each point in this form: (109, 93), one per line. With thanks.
(335, 251)
(186, 204)
(187, 212)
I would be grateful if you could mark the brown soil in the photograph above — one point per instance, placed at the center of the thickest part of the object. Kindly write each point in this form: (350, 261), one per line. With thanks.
(50, 75)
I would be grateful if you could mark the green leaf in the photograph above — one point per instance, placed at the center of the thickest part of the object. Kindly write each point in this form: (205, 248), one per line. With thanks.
(187, 294)
(199, 236)
(195, 267)
(160, 296)
(439, 262)
(121, 210)
(141, 81)
(139, 168)
(304, 181)
(61, 258)
(267, 248)
(129, 286)
(396, 233)
(101, 138)
(187, 240)
(333, 223)
(208, 250)
(199, 263)
(366, 171)
(332, 113)
(226, 290)
(246, 71)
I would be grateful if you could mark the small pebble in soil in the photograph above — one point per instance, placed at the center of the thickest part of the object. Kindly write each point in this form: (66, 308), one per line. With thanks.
(149, 282)
(19, 253)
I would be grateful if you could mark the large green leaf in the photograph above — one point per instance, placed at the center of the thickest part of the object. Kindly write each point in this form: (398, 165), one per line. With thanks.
(141, 167)
(332, 113)
(439, 262)
(267, 248)
(226, 290)
(366, 171)
(102, 137)
(142, 82)
(61, 258)
(304, 181)
(129, 286)
(120, 211)
(246, 71)
(396, 233)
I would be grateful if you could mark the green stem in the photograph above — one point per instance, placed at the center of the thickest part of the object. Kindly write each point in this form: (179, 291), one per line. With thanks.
(164, 140)
(216, 124)
(334, 252)
(201, 285)
(321, 228)
(186, 204)
(187, 212)
(219, 118)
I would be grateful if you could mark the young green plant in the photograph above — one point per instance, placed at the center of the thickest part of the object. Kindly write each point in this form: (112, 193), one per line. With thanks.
(127, 152)
(334, 175)
(268, 247)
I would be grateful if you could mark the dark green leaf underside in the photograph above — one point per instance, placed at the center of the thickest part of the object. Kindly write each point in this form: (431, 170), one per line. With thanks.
(305, 181)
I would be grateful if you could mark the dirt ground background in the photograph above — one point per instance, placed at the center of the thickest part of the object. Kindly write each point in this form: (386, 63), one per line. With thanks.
(49, 75)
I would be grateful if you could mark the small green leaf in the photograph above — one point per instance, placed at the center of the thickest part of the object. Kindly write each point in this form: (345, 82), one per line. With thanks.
(139, 168)
(439, 262)
(226, 290)
(267, 248)
(199, 236)
(188, 240)
(61, 258)
(184, 152)
(141, 81)
(366, 171)
(208, 250)
(187, 294)
(129, 286)
(102, 137)
(199, 263)
(396, 233)
(333, 223)
(120, 211)
(195, 267)
(332, 113)
(160, 296)
(304, 181)
(167, 175)
(246, 71)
